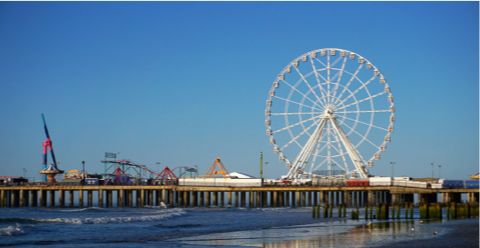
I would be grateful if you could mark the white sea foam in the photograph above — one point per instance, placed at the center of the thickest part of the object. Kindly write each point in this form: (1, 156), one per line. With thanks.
(73, 210)
(163, 214)
(12, 230)
(162, 205)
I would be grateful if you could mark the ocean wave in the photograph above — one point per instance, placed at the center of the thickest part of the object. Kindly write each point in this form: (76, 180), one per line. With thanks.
(12, 230)
(160, 215)
(75, 210)
(18, 220)
(179, 226)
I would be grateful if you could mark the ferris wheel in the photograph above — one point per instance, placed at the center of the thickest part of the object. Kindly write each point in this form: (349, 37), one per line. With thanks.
(329, 113)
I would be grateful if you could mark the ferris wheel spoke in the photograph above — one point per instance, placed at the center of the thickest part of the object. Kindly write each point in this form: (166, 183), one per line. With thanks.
(317, 75)
(328, 74)
(299, 113)
(349, 82)
(288, 100)
(364, 123)
(320, 165)
(319, 61)
(365, 99)
(294, 88)
(340, 165)
(340, 76)
(363, 137)
(342, 154)
(359, 88)
(296, 124)
(353, 153)
(371, 111)
(336, 61)
(336, 75)
(306, 82)
(314, 157)
(299, 135)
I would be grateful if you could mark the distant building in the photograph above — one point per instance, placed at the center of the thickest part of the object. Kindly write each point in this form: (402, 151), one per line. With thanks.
(6, 179)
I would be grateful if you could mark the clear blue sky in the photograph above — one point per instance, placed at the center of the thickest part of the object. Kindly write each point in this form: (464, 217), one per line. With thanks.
(183, 83)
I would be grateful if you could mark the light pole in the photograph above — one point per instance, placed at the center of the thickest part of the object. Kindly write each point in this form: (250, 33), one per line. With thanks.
(158, 168)
(196, 171)
(432, 170)
(266, 163)
(24, 172)
(333, 169)
(439, 171)
(83, 172)
(392, 163)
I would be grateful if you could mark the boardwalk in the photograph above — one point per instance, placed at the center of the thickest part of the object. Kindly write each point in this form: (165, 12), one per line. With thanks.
(190, 196)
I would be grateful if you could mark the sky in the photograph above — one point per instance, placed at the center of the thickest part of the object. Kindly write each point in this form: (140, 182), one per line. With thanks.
(182, 83)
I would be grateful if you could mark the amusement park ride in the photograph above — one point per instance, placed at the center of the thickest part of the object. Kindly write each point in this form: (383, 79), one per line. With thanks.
(51, 170)
(329, 107)
(120, 174)
(211, 171)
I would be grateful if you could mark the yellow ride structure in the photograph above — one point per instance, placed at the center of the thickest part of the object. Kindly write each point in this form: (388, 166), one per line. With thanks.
(211, 171)
(476, 176)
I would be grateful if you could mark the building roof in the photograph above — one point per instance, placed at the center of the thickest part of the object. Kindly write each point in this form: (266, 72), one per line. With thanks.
(240, 175)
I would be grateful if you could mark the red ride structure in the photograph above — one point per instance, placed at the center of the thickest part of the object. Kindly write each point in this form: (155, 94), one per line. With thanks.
(167, 177)
(119, 178)
(51, 170)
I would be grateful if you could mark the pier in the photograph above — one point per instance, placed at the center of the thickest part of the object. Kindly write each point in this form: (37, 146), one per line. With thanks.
(246, 197)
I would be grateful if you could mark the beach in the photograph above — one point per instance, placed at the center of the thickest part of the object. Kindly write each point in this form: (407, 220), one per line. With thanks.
(222, 227)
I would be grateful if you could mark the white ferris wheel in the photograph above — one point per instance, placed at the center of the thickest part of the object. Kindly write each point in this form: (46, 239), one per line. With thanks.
(329, 113)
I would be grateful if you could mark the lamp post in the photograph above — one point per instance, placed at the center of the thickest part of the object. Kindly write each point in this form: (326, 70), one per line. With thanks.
(439, 171)
(392, 163)
(266, 163)
(196, 171)
(83, 172)
(432, 170)
(24, 173)
(333, 169)
(158, 168)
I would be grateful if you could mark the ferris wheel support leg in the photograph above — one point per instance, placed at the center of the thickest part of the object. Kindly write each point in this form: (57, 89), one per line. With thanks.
(352, 152)
(306, 152)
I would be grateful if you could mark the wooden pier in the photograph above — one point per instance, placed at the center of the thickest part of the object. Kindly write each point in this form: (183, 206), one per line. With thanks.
(247, 197)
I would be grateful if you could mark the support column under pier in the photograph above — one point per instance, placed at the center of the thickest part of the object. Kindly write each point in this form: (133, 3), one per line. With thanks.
(33, 198)
(427, 198)
(100, 198)
(52, 198)
(120, 199)
(71, 194)
(89, 198)
(109, 199)
(251, 200)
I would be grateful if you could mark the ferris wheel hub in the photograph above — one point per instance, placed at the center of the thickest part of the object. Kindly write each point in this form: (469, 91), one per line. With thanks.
(328, 114)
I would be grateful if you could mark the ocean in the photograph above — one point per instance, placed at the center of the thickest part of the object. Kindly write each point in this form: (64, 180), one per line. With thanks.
(203, 227)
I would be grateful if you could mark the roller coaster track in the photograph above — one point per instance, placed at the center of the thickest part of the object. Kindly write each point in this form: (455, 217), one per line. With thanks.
(124, 162)
(143, 167)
